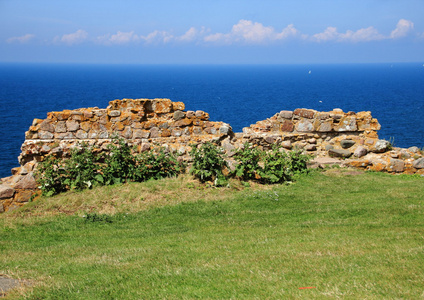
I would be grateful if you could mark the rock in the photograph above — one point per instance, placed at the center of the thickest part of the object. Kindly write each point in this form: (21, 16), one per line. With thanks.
(328, 147)
(286, 114)
(304, 113)
(419, 163)
(45, 135)
(178, 115)
(360, 151)
(310, 147)
(224, 129)
(414, 149)
(347, 143)
(339, 153)
(286, 145)
(304, 126)
(27, 182)
(396, 165)
(6, 191)
(114, 113)
(347, 124)
(72, 125)
(381, 146)
(326, 161)
(287, 126)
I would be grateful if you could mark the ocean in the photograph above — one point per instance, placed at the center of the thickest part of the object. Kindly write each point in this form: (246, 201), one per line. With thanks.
(236, 94)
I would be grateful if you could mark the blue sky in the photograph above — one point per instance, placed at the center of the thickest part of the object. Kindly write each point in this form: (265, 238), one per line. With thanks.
(212, 32)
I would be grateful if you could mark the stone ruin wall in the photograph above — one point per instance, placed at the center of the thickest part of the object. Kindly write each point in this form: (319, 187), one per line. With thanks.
(331, 137)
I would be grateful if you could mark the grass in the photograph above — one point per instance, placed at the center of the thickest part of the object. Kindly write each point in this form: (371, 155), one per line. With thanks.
(345, 234)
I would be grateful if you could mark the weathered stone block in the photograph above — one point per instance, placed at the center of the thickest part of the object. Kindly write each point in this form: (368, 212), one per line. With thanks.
(339, 153)
(396, 165)
(304, 126)
(60, 127)
(141, 134)
(360, 151)
(6, 191)
(304, 113)
(45, 135)
(183, 122)
(27, 182)
(72, 125)
(286, 114)
(46, 126)
(178, 106)
(178, 115)
(114, 113)
(325, 126)
(347, 124)
(418, 164)
(287, 126)
(347, 143)
(81, 134)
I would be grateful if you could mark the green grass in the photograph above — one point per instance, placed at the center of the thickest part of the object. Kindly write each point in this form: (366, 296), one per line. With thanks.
(348, 235)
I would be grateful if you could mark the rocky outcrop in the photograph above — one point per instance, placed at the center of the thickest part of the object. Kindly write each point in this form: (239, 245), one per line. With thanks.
(333, 137)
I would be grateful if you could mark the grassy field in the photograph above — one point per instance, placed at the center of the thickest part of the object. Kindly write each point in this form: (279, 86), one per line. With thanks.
(340, 234)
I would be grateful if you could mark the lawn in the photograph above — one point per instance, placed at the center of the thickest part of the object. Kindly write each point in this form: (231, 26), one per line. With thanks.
(333, 234)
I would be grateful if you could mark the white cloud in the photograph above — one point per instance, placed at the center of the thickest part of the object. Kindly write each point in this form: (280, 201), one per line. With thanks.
(402, 29)
(249, 32)
(157, 37)
(191, 35)
(21, 39)
(361, 35)
(73, 38)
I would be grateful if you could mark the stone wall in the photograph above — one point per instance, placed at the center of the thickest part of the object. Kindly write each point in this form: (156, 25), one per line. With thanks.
(349, 138)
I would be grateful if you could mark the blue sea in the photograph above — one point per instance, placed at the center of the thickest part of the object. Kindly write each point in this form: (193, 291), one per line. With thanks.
(237, 94)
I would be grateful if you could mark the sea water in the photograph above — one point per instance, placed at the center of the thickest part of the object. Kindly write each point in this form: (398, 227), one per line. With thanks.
(237, 94)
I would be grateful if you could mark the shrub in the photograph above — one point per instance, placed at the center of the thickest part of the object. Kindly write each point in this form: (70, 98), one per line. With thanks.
(156, 165)
(248, 158)
(208, 163)
(277, 166)
(119, 163)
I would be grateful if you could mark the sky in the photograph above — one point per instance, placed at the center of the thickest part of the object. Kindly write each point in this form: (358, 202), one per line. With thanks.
(212, 31)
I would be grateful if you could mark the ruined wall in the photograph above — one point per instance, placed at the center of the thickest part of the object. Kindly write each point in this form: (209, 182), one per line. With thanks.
(350, 138)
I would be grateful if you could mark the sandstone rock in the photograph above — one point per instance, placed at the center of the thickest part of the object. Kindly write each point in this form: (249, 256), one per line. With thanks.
(141, 134)
(45, 135)
(114, 113)
(414, 149)
(419, 163)
(6, 191)
(396, 165)
(360, 151)
(154, 132)
(304, 126)
(81, 134)
(27, 182)
(72, 125)
(286, 114)
(347, 143)
(328, 147)
(347, 124)
(310, 147)
(286, 144)
(304, 113)
(326, 161)
(23, 195)
(339, 153)
(224, 129)
(287, 126)
(60, 127)
(178, 115)
(46, 126)
(381, 146)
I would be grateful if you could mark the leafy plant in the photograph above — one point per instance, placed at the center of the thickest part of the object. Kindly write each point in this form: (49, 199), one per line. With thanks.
(119, 163)
(277, 166)
(155, 165)
(50, 176)
(208, 162)
(248, 158)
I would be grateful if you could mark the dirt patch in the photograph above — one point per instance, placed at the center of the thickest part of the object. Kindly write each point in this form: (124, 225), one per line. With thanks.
(343, 172)
(7, 284)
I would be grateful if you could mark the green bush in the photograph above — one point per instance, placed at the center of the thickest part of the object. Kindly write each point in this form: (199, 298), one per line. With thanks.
(248, 158)
(119, 163)
(208, 163)
(156, 165)
(277, 166)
